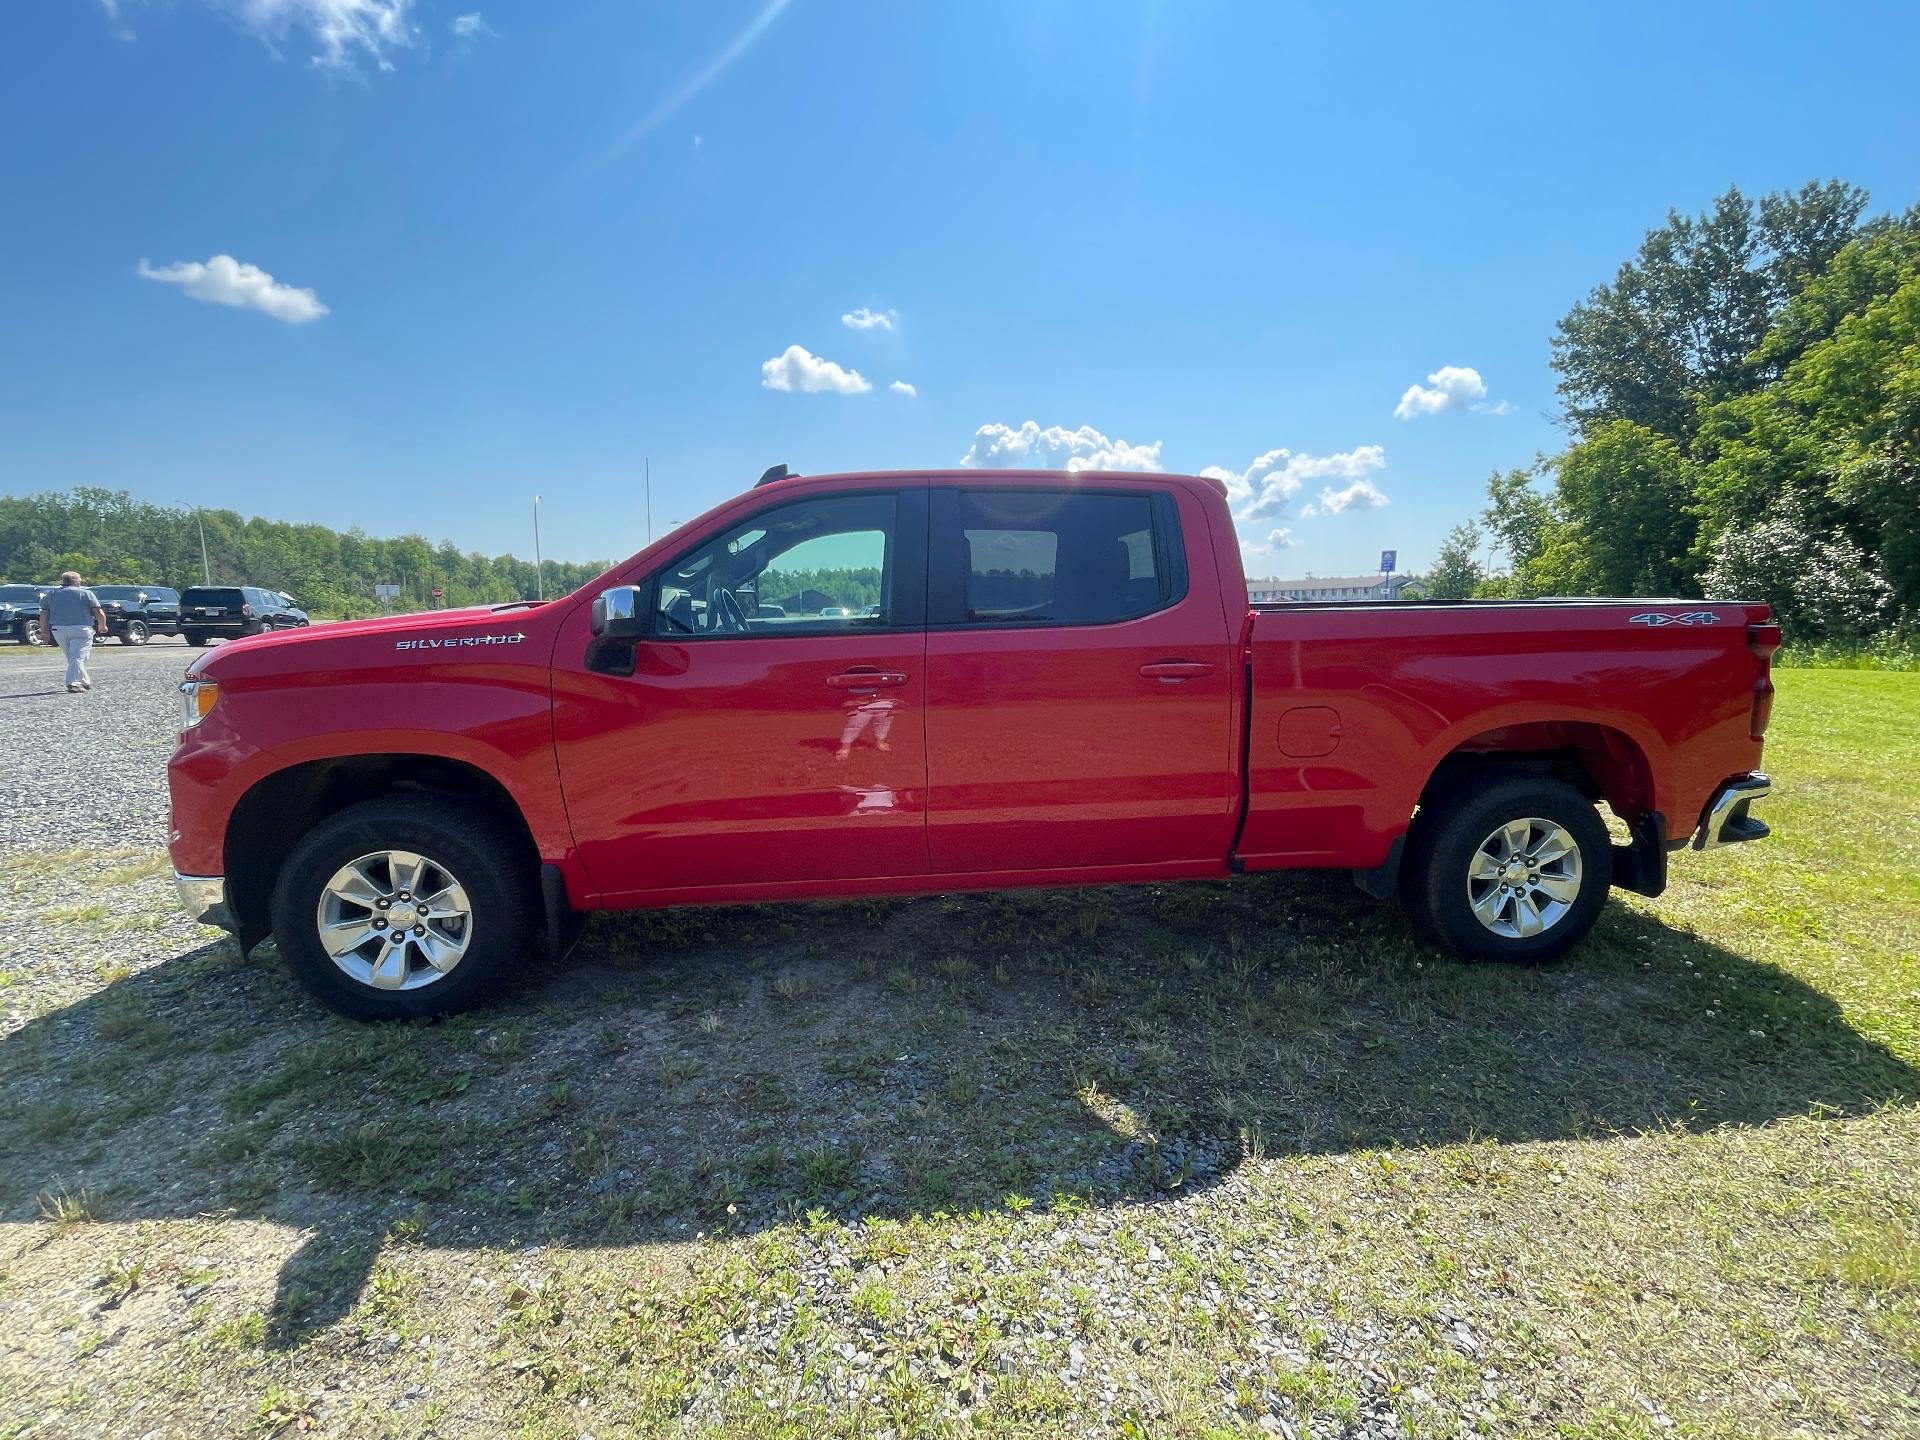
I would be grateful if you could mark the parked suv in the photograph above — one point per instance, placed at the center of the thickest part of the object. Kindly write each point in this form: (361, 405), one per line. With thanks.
(137, 612)
(20, 612)
(210, 612)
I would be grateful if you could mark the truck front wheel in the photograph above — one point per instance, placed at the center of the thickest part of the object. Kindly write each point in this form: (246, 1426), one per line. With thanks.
(1513, 869)
(406, 906)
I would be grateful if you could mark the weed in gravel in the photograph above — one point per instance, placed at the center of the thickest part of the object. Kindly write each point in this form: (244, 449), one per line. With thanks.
(369, 1156)
(243, 1332)
(66, 1208)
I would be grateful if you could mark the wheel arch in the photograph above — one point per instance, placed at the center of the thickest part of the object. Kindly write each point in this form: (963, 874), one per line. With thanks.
(280, 807)
(1602, 761)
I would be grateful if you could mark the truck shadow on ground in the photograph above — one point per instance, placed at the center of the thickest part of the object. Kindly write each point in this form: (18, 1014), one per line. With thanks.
(724, 1070)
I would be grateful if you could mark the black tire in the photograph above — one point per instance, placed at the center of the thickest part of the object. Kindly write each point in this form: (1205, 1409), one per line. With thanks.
(1441, 851)
(30, 632)
(195, 637)
(254, 627)
(136, 633)
(491, 862)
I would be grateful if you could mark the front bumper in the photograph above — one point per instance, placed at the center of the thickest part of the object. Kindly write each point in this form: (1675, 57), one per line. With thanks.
(1727, 821)
(204, 898)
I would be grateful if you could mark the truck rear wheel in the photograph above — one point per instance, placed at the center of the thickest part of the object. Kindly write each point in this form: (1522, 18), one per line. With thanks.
(1516, 868)
(406, 906)
(136, 633)
(195, 637)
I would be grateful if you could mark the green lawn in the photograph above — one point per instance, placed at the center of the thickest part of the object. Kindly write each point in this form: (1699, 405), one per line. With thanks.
(1169, 1161)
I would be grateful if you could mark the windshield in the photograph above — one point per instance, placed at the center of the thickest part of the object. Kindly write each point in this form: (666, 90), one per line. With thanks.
(17, 594)
(120, 592)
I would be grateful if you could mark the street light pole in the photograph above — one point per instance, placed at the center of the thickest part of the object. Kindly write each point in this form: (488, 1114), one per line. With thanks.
(539, 572)
(206, 570)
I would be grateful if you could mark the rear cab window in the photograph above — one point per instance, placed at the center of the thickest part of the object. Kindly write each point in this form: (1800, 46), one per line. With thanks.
(1019, 557)
(220, 597)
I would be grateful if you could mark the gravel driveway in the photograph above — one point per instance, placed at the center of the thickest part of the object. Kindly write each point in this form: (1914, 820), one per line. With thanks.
(90, 769)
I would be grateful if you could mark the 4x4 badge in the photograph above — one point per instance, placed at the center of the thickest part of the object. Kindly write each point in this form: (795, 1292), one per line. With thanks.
(1660, 617)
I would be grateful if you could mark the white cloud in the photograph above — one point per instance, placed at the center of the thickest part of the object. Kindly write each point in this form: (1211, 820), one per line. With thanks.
(1262, 490)
(342, 30)
(224, 280)
(1276, 540)
(865, 319)
(121, 29)
(1001, 447)
(796, 368)
(901, 387)
(1451, 387)
(1361, 493)
(471, 27)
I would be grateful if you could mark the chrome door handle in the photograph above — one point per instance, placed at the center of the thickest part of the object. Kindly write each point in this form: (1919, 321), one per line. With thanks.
(1172, 671)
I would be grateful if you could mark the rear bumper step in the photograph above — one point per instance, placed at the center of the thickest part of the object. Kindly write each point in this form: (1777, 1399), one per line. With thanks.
(1727, 821)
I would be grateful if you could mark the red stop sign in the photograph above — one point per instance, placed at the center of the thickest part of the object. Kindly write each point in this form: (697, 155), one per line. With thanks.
(438, 593)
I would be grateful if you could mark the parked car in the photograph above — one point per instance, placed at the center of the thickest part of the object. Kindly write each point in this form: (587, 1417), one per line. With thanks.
(1065, 685)
(20, 613)
(137, 612)
(292, 607)
(216, 612)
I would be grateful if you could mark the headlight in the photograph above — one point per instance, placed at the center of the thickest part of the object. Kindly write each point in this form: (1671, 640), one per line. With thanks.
(196, 700)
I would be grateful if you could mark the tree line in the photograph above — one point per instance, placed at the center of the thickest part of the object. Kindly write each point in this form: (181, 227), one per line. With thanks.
(111, 538)
(1744, 404)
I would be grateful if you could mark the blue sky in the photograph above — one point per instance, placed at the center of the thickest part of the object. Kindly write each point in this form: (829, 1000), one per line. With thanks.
(559, 238)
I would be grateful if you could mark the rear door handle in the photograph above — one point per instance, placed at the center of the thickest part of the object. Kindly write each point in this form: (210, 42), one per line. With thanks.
(866, 679)
(1172, 670)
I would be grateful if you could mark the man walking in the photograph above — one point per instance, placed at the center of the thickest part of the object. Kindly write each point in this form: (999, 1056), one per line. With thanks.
(70, 617)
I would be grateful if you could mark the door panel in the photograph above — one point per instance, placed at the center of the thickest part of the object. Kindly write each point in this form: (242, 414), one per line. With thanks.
(772, 730)
(1075, 745)
(749, 761)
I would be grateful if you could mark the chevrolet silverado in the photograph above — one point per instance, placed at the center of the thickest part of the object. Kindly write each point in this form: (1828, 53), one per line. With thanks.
(890, 683)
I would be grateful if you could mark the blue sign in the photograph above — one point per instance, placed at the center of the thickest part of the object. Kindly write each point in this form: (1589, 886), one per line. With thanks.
(1388, 560)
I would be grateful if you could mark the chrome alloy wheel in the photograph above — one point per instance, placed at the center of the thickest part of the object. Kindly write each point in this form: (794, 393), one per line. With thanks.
(394, 920)
(1524, 878)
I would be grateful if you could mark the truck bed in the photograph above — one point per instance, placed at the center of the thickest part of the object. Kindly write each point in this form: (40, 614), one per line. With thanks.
(1353, 707)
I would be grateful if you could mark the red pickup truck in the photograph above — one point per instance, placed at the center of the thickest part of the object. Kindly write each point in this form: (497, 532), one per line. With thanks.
(876, 684)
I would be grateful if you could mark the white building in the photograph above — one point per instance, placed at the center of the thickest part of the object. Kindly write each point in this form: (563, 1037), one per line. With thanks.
(1328, 587)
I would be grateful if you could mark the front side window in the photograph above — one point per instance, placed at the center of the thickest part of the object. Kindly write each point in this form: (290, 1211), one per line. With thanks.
(1060, 557)
(821, 566)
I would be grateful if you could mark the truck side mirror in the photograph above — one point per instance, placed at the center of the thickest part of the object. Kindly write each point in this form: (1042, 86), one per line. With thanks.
(618, 614)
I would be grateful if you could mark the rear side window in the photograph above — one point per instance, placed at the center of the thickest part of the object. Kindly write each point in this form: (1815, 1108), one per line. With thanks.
(1024, 557)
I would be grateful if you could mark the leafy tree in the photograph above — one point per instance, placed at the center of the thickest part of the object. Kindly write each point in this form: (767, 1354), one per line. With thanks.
(1678, 326)
(1456, 571)
(1519, 516)
(1835, 443)
(1820, 587)
(111, 537)
(1624, 526)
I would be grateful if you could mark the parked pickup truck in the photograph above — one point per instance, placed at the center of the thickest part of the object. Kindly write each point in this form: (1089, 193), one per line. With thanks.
(1026, 679)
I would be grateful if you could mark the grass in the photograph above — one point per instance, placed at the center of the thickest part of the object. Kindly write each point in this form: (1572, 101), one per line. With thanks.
(1158, 1162)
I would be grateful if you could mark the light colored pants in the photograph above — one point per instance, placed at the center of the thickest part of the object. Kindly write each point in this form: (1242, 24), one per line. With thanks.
(75, 640)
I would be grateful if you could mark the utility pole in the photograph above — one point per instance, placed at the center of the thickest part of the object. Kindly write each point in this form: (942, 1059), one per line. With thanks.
(206, 570)
(539, 573)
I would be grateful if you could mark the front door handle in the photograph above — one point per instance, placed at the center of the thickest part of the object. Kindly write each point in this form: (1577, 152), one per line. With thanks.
(866, 679)
(1171, 671)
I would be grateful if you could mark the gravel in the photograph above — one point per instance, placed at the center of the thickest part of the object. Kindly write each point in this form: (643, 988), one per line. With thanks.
(88, 770)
